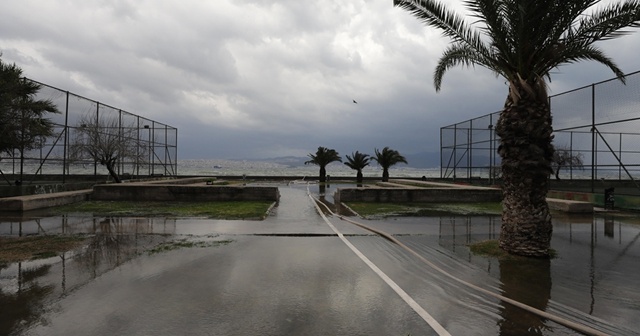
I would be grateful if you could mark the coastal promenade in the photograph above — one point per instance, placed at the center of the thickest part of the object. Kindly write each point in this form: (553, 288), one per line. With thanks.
(302, 271)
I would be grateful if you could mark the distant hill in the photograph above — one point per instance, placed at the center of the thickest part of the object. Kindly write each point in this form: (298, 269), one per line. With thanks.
(423, 160)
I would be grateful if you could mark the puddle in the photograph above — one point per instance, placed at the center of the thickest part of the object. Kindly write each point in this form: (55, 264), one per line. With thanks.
(289, 274)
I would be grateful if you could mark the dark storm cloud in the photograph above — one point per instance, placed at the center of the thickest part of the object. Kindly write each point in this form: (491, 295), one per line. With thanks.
(263, 78)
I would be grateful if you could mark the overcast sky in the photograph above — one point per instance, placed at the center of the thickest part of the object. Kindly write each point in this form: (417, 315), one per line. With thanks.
(264, 78)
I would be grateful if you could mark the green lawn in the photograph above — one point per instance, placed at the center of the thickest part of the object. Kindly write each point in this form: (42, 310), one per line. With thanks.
(215, 210)
(424, 209)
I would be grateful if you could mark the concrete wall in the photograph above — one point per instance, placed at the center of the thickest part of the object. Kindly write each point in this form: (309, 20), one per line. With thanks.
(47, 184)
(33, 202)
(41, 188)
(166, 192)
(627, 202)
(426, 195)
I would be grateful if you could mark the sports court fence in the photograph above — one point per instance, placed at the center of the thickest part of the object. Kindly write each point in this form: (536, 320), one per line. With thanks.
(598, 125)
(154, 143)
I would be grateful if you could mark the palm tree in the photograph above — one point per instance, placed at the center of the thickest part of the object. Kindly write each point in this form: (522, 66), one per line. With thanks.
(322, 158)
(387, 158)
(24, 125)
(522, 41)
(357, 162)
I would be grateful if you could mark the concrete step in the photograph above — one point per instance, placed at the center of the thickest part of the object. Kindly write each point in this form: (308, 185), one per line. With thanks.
(569, 205)
(430, 184)
(40, 201)
(396, 185)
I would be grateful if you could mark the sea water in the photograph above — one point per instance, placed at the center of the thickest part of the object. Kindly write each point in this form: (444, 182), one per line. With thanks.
(266, 168)
(223, 167)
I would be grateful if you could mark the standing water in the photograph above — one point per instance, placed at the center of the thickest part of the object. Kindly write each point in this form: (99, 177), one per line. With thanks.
(290, 274)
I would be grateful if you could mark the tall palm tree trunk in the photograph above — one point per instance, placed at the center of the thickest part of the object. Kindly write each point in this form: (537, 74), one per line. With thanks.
(323, 174)
(525, 131)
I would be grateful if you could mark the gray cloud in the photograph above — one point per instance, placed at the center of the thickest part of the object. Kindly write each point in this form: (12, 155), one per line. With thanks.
(260, 78)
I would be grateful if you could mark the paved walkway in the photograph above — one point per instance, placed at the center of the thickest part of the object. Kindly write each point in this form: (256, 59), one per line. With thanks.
(290, 274)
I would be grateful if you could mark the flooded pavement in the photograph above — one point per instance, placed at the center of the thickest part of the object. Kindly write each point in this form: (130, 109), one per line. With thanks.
(292, 275)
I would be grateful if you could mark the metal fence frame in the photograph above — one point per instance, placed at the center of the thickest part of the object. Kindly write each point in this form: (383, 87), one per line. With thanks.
(157, 139)
(591, 128)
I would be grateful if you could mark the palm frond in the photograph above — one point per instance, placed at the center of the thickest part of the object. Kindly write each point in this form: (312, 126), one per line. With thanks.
(357, 161)
(525, 40)
(608, 22)
(577, 53)
(323, 157)
(435, 14)
(460, 54)
(388, 157)
(491, 13)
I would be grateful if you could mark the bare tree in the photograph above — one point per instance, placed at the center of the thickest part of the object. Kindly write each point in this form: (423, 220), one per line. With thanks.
(563, 157)
(106, 141)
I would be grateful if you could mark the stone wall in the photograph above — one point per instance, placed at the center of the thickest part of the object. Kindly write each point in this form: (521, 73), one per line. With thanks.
(172, 192)
(421, 195)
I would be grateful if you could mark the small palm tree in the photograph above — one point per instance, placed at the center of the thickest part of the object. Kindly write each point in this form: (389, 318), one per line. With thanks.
(357, 162)
(387, 158)
(523, 41)
(322, 158)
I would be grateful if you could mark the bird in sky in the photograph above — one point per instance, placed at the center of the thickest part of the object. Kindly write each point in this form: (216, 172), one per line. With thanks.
(354, 101)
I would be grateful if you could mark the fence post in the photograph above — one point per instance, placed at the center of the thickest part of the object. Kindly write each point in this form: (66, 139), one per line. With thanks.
(95, 163)
(470, 151)
(137, 169)
(175, 157)
(153, 147)
(490, 149)
(571, 155)
(620, 158)
(593, 137)
(120, 166)
(441, 152)
(65, 153)
(455, 150)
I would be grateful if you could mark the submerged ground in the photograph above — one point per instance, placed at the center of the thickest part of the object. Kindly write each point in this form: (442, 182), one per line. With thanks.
(292, 274)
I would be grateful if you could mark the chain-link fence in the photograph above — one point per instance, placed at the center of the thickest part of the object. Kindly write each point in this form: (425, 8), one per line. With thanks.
(596, 127)
(151, 146)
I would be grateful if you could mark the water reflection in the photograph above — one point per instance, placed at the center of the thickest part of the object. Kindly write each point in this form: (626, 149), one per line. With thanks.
(529, 283)
(85, 224)
(593, 281)
(22, 301)
(595, 272)
(608, 226)
(27, 288)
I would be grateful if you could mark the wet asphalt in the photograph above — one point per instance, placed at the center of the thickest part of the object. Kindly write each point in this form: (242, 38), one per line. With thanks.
(291, 274)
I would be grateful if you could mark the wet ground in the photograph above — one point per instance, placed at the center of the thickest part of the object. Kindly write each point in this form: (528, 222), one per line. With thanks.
(291, 274)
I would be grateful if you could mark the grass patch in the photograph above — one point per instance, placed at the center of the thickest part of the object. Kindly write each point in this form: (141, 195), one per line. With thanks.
(15, 249)
(184, 243)
(215, 210)
(424, 209)
(491, 248)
